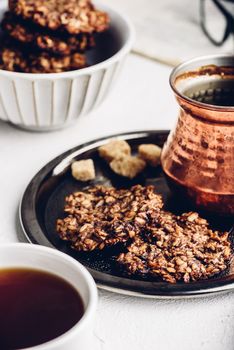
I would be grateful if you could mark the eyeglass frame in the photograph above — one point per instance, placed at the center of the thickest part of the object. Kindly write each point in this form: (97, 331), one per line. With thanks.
(229, 21)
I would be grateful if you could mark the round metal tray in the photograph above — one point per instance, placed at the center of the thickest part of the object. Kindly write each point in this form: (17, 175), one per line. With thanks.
(43, 203)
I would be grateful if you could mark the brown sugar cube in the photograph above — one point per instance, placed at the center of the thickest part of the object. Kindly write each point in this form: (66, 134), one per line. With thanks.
(83, 170)
(114, 149)
(128, 166)
(150, 153)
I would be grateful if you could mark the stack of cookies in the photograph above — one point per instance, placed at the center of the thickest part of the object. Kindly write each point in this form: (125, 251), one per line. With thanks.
(49, 36)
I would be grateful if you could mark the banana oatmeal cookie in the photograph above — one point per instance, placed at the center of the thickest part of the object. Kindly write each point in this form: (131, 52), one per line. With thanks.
(177, 248)
(103, 216)
(27, 34)
(13, 59)
(71, 16)
(155, 243)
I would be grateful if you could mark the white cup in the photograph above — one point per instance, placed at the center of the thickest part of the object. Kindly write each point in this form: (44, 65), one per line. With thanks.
(24, 255)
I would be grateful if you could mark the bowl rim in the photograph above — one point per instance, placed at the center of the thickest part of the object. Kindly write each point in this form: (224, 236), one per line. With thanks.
(126, 47)
(91, 285)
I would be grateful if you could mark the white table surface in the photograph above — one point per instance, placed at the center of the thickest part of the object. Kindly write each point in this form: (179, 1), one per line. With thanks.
(141, 100)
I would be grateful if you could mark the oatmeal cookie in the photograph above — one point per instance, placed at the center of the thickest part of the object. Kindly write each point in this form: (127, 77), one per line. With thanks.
(104, 216)
(45, 63)
(27, 34)
(71, 16)
(181, 248)
(14, 59)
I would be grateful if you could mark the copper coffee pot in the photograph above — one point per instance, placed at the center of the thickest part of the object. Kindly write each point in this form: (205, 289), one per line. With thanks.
(198, 157)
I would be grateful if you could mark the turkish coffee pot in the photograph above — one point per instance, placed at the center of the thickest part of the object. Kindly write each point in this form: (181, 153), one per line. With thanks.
(198, 157)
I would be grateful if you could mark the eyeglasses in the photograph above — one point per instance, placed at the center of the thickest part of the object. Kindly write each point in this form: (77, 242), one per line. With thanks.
(217, 33)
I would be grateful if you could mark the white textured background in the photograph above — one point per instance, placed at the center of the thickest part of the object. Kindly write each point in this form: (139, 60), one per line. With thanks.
(169, 30)
(142, 100)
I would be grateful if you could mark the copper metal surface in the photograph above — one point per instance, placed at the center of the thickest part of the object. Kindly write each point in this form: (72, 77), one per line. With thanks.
(198, 157)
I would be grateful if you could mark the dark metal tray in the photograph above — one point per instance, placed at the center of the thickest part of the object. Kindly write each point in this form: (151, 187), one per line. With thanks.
(43, 203)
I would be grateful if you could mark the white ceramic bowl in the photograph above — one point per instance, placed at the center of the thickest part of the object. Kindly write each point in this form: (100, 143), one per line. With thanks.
(50, 260)
(50, 101)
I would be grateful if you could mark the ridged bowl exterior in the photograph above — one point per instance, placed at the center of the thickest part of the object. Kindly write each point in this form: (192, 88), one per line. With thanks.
(48, 104)
(50, 101)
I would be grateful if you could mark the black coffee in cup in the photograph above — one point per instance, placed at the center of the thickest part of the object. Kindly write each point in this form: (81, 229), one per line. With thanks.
(36, 307)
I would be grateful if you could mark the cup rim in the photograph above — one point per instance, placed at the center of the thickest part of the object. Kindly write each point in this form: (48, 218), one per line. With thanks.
(92, 288)
(180, 69)
(126, 47)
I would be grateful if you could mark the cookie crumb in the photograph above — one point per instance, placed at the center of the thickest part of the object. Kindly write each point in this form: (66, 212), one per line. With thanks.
(83, 170)
(128, 166)
(114, 149)
(150, 153)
